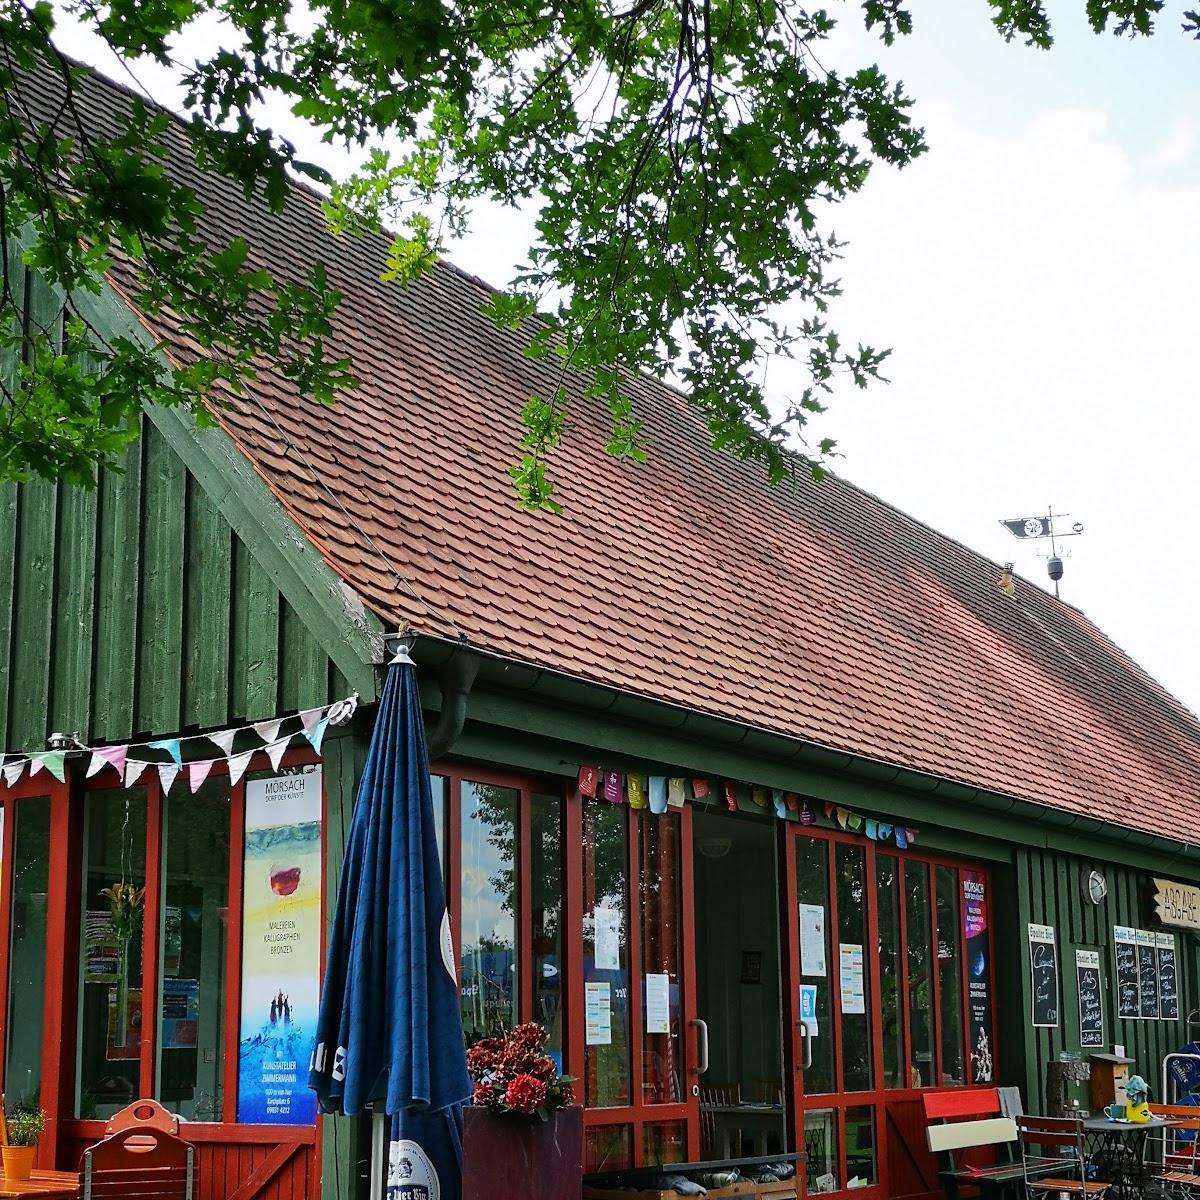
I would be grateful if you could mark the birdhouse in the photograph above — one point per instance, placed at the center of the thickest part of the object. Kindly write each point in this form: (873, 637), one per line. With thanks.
(1110, 1074)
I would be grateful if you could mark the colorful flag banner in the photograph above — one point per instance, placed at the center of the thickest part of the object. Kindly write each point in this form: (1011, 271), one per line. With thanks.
(268, 730)
(636, 785)
(901, 838)
(872, 829)
(588, 778)
(759, 796)
(658, 793)
(317, 734)
(807, 816)
(730, 790)
(135, 768)
(170, 745)
(238, 764)
(675, 796)
(854, 821)
(167, 774)
(107, 756)
(792, 801)
(700, 789)
(612, 787)
(198, 772)
(223, 740)
(779, 802)
(842, 816)
(311, 718)
(14, 770)
(911, 835)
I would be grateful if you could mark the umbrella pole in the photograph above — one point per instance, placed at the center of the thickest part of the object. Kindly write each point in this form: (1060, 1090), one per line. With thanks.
(378, 1151)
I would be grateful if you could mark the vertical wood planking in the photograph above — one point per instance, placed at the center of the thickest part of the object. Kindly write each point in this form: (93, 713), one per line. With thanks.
(207, 579)
(254, 657)
(160, 637)
(118, 568)
(303, 670)
(9, 515)
(32, 615)
(75, 610)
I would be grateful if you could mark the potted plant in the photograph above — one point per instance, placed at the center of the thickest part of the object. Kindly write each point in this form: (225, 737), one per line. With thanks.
(25, 1125)
(523, 1133)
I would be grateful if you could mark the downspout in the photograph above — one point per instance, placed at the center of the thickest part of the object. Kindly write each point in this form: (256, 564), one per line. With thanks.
(454, 680)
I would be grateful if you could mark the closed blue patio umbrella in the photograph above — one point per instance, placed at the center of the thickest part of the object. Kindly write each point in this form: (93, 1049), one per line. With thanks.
(389, 1035)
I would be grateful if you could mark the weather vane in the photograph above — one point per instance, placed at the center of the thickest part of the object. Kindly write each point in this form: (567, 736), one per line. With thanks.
(1027, 528)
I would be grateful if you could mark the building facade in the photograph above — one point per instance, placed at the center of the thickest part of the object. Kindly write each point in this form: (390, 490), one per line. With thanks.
(769, 793)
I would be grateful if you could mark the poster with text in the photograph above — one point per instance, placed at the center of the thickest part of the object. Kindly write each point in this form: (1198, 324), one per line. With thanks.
(1090, 988)
(979, 977)
(1043, 972)
(281, 948)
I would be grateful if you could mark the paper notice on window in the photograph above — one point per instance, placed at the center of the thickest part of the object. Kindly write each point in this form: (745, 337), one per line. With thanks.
(812, 939)
(658, 1004)
(851, 977)
(607, 938)
(808, 1008)
(597, 1014)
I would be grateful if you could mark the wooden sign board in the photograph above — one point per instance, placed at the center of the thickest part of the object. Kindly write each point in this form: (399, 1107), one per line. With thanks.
(1177, 903)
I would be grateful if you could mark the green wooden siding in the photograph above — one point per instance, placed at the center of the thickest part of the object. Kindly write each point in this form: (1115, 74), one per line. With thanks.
(1049, 888)
(135, 609)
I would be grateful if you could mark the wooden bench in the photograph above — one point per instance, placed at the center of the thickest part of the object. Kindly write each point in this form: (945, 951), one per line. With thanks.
(970, 1119)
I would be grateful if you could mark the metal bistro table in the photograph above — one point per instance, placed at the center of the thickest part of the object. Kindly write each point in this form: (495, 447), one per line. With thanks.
(1116, 1149)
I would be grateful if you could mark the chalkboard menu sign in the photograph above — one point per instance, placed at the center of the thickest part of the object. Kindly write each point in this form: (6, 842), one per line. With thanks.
(1168, 980)
(1126, 958)
(1147, 956)
(1089, 984)
(1043, 967)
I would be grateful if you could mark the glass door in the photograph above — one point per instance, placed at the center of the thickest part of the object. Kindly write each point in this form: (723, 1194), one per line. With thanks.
(835, 1043)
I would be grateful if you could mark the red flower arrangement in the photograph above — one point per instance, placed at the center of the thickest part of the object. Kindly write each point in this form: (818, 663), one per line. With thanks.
(511, 1074)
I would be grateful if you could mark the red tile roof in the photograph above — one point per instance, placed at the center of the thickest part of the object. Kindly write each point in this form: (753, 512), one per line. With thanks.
(813, 610)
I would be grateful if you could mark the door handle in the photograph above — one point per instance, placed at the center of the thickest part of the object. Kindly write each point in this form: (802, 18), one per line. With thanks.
(806, 1042)
(701, 1045)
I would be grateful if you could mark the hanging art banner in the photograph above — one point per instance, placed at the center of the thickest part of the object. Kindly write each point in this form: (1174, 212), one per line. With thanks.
(979, 981)
(1088, 984)
(281, 948)
(1043, 966)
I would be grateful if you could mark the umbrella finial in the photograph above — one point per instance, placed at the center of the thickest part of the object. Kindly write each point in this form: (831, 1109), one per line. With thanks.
(404, 642)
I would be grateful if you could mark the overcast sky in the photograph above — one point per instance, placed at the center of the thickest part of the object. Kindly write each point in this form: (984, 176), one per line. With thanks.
(1036, 275)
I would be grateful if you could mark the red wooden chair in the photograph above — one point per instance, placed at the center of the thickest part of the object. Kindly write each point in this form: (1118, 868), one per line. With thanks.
(142, 1157)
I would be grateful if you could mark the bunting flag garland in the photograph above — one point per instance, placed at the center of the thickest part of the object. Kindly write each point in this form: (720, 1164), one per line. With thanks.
(759, 796)
(700, 789)
(901, 838)
(872, 830)
(223, 740)
(792, 801)
(675, 797)
(830, 809)
(911, 835)
(807, 816)
(198, 772)
(238, 764)
(636, 785)
(854, 821)
(107, 756)
(843, 814)
(171, 746)
(314, 723)
(588, 778)
(779, 802)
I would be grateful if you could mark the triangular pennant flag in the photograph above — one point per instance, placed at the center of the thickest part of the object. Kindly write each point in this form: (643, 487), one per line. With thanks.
(171, 746)
(901, 839)
(675, 797)
(792, 801)
(317, 736)
(658, 793)
(14, 770)
(613, 790)
(730, 790)
(311, 718)
(197, 773)
(759, 796)
(135, 768)
(779, 802)
(854, 821)
(268, 730)
(589, 777)
(167, 774)
(700, 789)
(872, 829)
(830, 809)
(55, 761)
(223, 740)
(842, 815)
(275, 752)
(107, 756)
(636, 785)
(911, 835)
(238, 764)
(807, 816)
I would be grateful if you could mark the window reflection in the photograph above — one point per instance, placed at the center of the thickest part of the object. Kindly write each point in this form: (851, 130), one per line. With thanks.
(487, 979)
(949, 979)
(852, 965)
(662, 1081)
(545, 887)
(887, 887)
(920, 982)
(812, 887)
